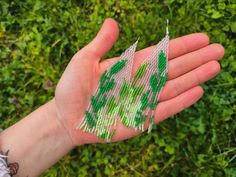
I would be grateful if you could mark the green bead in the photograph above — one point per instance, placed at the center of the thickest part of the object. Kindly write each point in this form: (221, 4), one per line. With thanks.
(154, 82)
(140, 73)
(144, 100)
(90, 119)
(139, 118)
(118, 66)
(103, 78)
(161, 61)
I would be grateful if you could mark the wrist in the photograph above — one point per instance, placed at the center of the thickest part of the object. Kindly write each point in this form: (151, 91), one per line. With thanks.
(59, 130)
(37, 141)
(69, 121)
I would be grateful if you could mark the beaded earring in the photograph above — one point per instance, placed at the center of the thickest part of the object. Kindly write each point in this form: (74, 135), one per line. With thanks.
(131, 99)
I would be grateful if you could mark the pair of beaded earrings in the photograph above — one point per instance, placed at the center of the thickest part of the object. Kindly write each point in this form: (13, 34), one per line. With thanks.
(131, 99)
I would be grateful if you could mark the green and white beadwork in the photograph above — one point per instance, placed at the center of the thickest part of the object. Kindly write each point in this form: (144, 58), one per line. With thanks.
(130, 98)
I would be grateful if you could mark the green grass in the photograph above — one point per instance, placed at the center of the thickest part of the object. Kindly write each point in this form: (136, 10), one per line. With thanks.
(38, 38)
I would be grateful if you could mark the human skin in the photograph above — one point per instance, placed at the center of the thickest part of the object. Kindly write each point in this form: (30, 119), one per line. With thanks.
(43, 137)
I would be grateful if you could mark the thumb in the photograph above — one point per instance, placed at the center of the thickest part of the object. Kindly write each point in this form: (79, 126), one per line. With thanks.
(104, 39)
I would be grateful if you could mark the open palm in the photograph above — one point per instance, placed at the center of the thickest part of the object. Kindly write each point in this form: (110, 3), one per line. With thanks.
(192, 62)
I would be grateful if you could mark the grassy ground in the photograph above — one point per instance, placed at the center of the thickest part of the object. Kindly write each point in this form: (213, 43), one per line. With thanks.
(38, 38)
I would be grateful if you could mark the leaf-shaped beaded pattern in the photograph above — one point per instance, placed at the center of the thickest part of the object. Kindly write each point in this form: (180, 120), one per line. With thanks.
(132, 100)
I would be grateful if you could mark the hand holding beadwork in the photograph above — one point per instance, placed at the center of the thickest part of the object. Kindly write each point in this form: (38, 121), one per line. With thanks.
(192, 61)
(45, 135)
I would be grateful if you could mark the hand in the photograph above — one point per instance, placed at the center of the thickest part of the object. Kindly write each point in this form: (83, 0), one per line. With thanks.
(192, 62)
